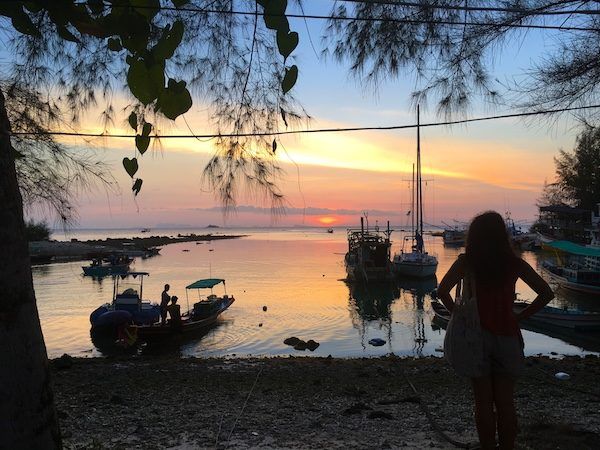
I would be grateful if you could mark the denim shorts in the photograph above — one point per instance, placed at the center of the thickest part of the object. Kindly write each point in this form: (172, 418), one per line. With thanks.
(502, 355)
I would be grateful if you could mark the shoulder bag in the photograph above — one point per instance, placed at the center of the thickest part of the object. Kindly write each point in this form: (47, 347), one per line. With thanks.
(463, 343)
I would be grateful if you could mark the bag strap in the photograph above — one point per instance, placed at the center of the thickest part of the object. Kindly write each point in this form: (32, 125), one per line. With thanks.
(458, 292)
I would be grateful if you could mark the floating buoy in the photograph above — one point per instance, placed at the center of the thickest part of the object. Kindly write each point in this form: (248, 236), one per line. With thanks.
(377, 342)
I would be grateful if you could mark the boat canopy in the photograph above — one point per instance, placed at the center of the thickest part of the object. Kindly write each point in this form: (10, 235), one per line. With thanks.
(576, 249)
(207, 283)
(133, 274)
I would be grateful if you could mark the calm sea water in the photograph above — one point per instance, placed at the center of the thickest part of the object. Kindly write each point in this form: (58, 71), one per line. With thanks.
(297, 274)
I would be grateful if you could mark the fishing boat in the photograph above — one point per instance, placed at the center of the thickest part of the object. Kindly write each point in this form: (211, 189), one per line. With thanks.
(113, 265)
(547, 316)
(417, 262)
(521, 240)
(368, 256)
(575, 276)
(130, 318)
(454, 235)
(202, 315)
(127, 306)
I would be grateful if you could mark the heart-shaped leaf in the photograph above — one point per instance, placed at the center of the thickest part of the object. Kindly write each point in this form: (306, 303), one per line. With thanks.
(289, 79)
(145, 82)
(23, 24)
(131, 166)
(142, 143)
(137, 186)
(276, 22)
(286, 42)
(146, 129)
(174, 100)
(133, 120)
(169, 41)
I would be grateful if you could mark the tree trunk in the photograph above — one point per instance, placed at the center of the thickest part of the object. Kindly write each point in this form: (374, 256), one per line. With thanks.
(27, 415)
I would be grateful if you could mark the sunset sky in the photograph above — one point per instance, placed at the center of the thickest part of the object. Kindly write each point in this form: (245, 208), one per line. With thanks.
(332, 177)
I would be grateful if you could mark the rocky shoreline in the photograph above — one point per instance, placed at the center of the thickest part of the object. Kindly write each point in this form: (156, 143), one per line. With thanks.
(47, 251)
(168, 402)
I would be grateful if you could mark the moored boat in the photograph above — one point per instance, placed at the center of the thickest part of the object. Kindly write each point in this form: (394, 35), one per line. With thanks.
(113, 265)
(454, 236)
(368, 256)
(131, 319)
(203, 314)
(548, 316)
(127, 307)
(575, 276)
(416, 262)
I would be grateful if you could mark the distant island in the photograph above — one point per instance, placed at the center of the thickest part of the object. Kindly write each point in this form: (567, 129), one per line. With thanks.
(46, 251)
(213, 226)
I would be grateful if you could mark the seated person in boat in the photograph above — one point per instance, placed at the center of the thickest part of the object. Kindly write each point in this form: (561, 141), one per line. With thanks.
(174, 312)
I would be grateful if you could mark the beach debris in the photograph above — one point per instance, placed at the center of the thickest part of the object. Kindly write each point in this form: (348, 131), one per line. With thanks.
(211, 249)
(291, 341)
(254, 433)
(301, 345)
(265, 308)
(562, 376)
(260, 324)
(380, 415)
(185, 250)
(312, 345)
(64, 362)
(377, 342)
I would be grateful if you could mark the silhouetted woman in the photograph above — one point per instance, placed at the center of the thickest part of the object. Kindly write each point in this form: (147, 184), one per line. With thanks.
(495, 268)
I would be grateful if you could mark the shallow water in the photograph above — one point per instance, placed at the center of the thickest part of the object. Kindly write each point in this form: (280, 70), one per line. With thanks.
(297, 274)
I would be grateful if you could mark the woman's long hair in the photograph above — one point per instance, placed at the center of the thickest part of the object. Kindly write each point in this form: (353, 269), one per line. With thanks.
(489, 252)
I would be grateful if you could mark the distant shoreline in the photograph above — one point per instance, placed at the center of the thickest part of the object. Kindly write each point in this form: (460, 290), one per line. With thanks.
(55, 251)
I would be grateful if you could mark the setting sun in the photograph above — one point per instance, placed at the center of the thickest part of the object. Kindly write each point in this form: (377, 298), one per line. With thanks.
(327, 220)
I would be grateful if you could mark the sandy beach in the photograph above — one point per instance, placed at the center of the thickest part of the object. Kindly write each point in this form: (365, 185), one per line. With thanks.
(302, 402)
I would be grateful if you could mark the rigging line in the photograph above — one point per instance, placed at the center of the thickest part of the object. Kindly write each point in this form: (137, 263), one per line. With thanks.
(537, 11)
(376, 19)
(388, 20)
(310, 131)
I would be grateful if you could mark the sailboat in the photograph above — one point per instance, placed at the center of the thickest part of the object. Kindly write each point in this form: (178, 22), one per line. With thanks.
(417, 262)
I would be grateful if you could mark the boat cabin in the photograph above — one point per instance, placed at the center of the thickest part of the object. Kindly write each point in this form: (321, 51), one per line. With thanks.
(128, 290)
(208, 303)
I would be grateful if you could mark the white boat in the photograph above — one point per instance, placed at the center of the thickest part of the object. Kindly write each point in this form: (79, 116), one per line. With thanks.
(416, 263)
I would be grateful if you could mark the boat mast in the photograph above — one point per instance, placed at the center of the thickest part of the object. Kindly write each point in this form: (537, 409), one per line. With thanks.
(419, 188)
(412, 207)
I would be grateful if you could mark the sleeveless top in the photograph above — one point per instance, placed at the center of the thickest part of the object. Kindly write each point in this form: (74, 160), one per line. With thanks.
(495, 305)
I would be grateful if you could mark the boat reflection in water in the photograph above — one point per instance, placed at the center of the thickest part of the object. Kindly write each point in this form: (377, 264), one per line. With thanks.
(413, 293)
(371, 306)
